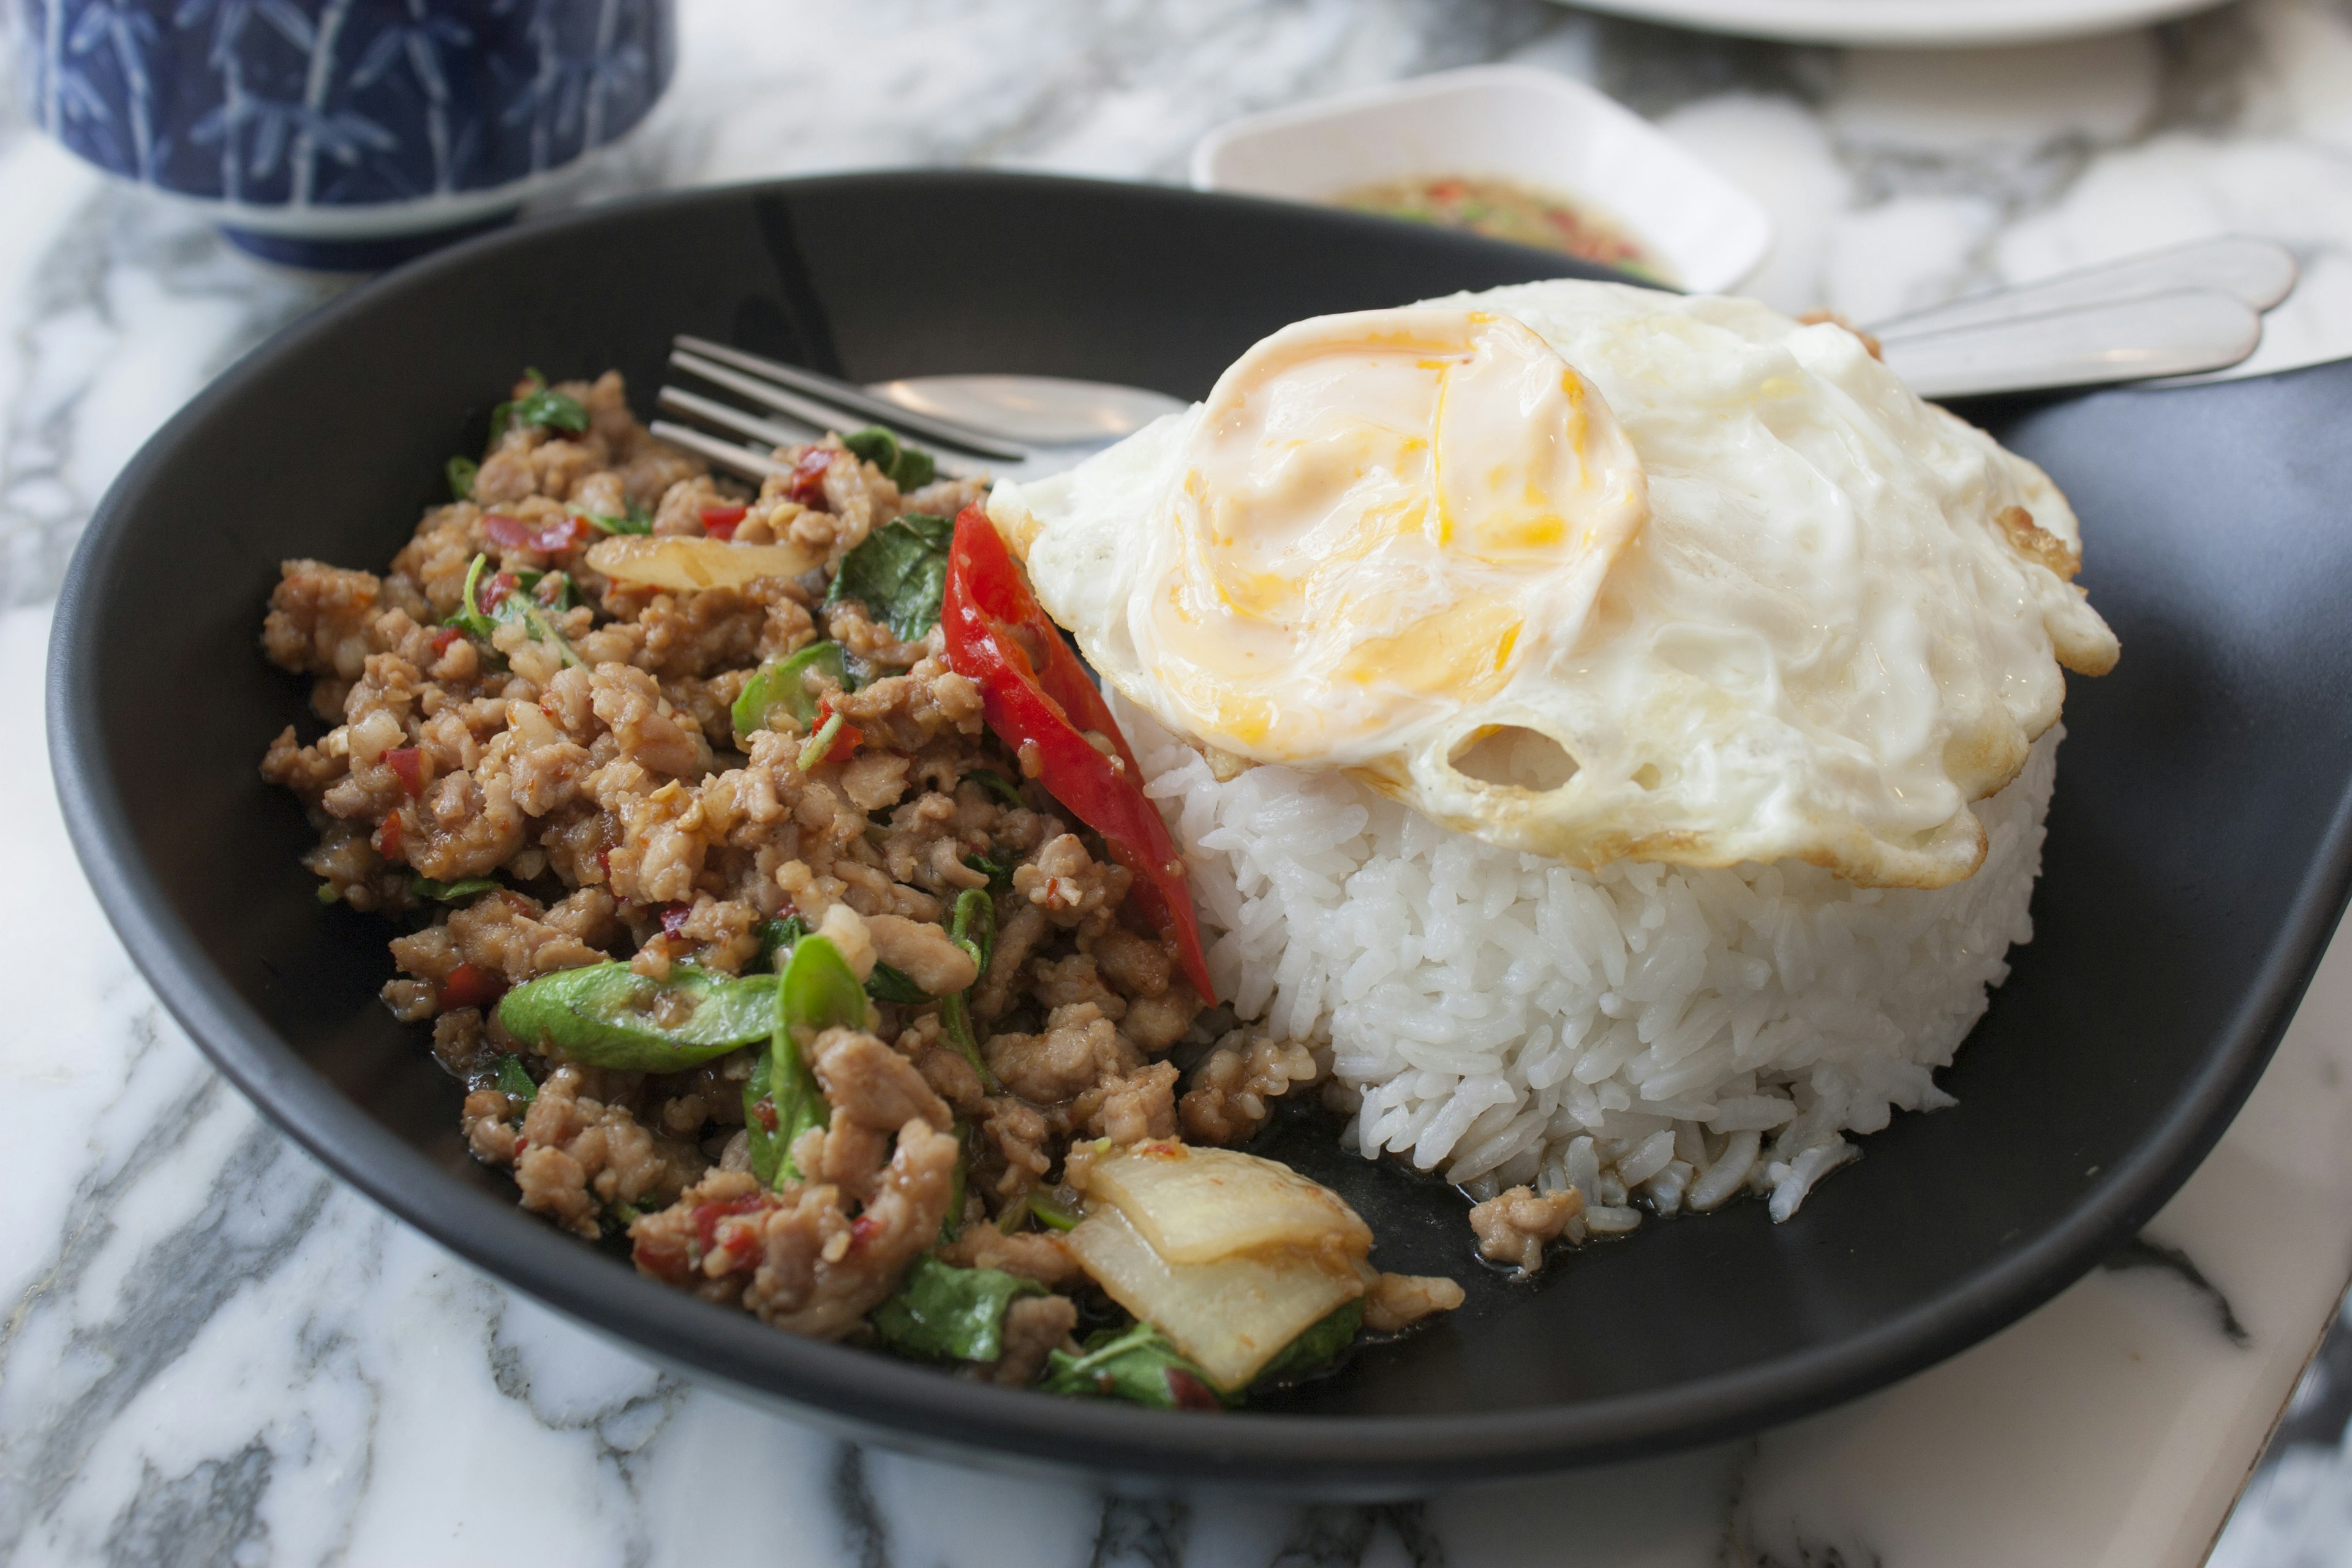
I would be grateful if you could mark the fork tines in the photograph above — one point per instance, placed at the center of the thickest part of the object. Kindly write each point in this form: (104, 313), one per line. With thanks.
(795, 406)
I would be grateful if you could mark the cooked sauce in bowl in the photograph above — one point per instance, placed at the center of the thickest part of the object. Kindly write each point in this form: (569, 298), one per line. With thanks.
(1506, 209)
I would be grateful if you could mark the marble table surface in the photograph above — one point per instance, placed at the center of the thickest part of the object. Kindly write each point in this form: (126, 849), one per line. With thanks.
(213, 1352)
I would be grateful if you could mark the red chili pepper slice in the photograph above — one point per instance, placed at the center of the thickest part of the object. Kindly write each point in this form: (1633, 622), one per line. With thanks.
(514, 534)
(845, 740)
(808, 476)
(408, 764)
(494, 592)
(391, 838)
(1036, 694)
(719, 521)
(444, 639)
(674, 918)
(470, 986)
(1190, 1392)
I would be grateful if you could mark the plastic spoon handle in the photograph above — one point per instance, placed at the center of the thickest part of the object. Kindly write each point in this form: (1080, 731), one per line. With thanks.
(2164, 334)
(2255, 272)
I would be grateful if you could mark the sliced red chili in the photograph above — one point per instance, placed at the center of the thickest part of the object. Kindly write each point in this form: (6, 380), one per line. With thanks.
(674, 918)
(471, 986)
(391, 839)
(514, 534)
(708, 1217)
(408, 764)
(444, 639)
(494, 592)
(1190, 1392)
(807, 485)
(719, 521)
(845, 740)
(863, 1229)
(1035, 696)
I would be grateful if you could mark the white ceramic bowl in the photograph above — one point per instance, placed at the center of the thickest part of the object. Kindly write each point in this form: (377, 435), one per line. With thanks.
(1507, 122)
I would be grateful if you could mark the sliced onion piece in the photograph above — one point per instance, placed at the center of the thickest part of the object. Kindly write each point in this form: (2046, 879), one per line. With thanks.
(1231, 1317)
(682, 564)
(1201, 1204)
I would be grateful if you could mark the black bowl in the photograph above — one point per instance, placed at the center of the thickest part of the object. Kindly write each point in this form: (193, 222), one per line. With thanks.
(2197, 854)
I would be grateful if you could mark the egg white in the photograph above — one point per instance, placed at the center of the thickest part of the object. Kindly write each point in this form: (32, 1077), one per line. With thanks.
(1822, 630)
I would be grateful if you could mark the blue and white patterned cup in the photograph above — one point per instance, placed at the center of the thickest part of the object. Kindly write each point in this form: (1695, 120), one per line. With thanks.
(344, 133)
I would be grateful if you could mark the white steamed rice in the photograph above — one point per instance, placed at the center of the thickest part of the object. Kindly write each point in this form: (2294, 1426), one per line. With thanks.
(1645, 1032)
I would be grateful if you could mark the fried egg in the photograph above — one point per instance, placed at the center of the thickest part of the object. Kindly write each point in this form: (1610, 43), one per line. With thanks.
(1588, 571)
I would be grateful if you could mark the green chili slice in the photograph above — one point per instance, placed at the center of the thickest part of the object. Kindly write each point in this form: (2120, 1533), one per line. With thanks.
(609, 1016)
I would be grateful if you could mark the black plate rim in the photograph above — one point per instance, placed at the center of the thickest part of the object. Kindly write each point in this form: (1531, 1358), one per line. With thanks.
(918, 1408)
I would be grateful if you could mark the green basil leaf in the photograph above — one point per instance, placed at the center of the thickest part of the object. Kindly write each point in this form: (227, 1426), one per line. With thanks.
(515, 1078)
(1317, 1344)
(451, 892)
(889, 984)
(461, 472)
(873, 445)
(973, 926)
(1136, 1363)
(997, 872)
(899, 572)
(609, 1016)
(945, 1313)
(783, 683)
(634, 519)
(776, 939)
(997, 784)
(913, 470)
(553, 409)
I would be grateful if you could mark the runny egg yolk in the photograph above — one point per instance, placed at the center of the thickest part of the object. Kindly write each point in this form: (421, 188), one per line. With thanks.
(1381, 514)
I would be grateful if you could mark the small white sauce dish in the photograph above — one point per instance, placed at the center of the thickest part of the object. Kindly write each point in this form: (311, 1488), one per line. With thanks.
(1508, 122)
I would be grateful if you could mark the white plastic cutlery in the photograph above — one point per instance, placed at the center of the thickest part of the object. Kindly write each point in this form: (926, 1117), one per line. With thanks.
(2161, 334)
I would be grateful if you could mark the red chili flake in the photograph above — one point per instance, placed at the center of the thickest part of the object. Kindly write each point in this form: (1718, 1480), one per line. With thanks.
(494, 592)
(660, 1255)
(808, 476)
(765, 1112)
(707, 1216)
(674, 918)
(514, 534)
(520, 1144)
(444, 639)
(863, 1229)
(605, 861)
(1190, 1392)
(408, 764)
(470, 986)
(391, 839)
(719, 521)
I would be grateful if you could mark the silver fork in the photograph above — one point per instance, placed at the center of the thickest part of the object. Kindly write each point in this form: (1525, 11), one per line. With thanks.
(1039, 423)
(2190, 309)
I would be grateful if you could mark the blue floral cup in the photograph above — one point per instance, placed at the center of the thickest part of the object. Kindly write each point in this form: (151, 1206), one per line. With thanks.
(344, 133)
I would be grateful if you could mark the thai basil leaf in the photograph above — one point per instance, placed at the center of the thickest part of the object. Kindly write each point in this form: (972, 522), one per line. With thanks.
(1136, 1363)
(776, 939)
(609, 1016)
(972, 926)
(909, 469)
(997, 872)
(451, 892)
(783, 683)
(1317, 1344)
(461, 472)
(634, 519)
(889, 984)
(515, 1078)
(541, 405)
(900, 572)
(997, 784)
(945, 1313)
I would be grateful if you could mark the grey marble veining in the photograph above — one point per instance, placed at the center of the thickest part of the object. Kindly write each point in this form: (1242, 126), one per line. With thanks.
(217, 1353)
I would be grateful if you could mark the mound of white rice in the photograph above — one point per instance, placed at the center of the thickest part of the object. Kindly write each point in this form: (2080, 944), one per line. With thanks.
(1643, 1032)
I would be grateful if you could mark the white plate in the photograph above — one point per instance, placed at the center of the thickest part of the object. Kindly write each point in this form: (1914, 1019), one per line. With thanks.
(1914, 23)
(1508, 122)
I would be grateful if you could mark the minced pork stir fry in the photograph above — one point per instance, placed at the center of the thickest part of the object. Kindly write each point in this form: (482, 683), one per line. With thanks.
(789, 904)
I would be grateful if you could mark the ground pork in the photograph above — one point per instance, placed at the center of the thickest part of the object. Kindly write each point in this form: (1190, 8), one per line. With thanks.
(1513, 1227)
